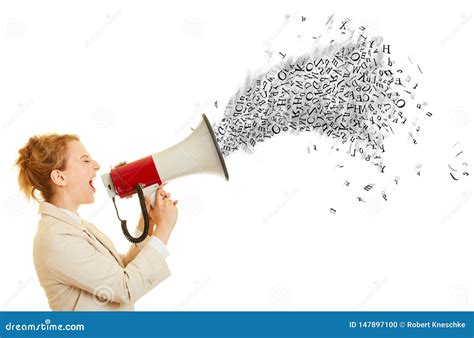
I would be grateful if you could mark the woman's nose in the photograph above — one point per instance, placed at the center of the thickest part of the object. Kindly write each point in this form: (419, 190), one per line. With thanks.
(96, 166)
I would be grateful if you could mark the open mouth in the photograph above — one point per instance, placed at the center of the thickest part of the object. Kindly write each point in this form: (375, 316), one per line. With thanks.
(91, 184)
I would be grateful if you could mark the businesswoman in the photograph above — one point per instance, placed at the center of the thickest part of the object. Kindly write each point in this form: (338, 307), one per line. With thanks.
(77, 265)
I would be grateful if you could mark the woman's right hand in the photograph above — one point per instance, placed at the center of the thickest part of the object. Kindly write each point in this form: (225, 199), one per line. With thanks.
(164, 213)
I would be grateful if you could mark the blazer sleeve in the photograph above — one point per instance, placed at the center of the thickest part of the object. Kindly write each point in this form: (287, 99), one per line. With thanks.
(133, 251)
(76, 262)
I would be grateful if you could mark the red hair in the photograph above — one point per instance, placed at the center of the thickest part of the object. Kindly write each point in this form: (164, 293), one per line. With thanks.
(37, 159)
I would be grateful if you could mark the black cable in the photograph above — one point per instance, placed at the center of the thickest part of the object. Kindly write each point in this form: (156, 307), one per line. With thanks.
(123, 223)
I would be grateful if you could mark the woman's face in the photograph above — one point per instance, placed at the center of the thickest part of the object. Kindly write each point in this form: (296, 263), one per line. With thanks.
(79, 173)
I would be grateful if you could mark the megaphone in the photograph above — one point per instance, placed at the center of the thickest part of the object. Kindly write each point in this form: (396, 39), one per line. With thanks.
(197, 153)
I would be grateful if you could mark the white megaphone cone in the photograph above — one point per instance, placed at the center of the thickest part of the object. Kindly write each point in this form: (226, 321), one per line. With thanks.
(198, 153)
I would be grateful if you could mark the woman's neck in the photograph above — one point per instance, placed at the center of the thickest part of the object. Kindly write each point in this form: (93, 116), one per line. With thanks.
(64, 202)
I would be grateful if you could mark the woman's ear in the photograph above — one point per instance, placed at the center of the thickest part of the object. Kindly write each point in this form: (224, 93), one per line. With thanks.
(58, 178)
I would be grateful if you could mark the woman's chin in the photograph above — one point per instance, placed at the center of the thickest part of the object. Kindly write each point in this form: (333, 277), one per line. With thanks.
(89, 199)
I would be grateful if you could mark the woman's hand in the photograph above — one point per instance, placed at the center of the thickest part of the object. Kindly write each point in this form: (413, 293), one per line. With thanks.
(164, 214)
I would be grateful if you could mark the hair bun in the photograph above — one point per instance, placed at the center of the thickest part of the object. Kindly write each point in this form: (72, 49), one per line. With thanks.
(37, 158)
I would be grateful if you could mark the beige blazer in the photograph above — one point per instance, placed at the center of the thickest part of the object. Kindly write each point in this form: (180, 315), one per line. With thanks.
(80, 269)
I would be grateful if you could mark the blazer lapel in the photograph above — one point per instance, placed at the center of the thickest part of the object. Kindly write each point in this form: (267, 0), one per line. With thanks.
(52, 210)
(46, 208)
(104, 240)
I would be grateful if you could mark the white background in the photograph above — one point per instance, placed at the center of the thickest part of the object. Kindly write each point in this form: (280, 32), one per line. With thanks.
(131, 78)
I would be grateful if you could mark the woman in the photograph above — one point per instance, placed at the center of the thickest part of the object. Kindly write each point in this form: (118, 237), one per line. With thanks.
(77, 265)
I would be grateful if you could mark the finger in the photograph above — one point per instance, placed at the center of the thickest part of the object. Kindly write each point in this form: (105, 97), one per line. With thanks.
(165, 194)
(158, 200)
(162, 186)
(147, 202)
